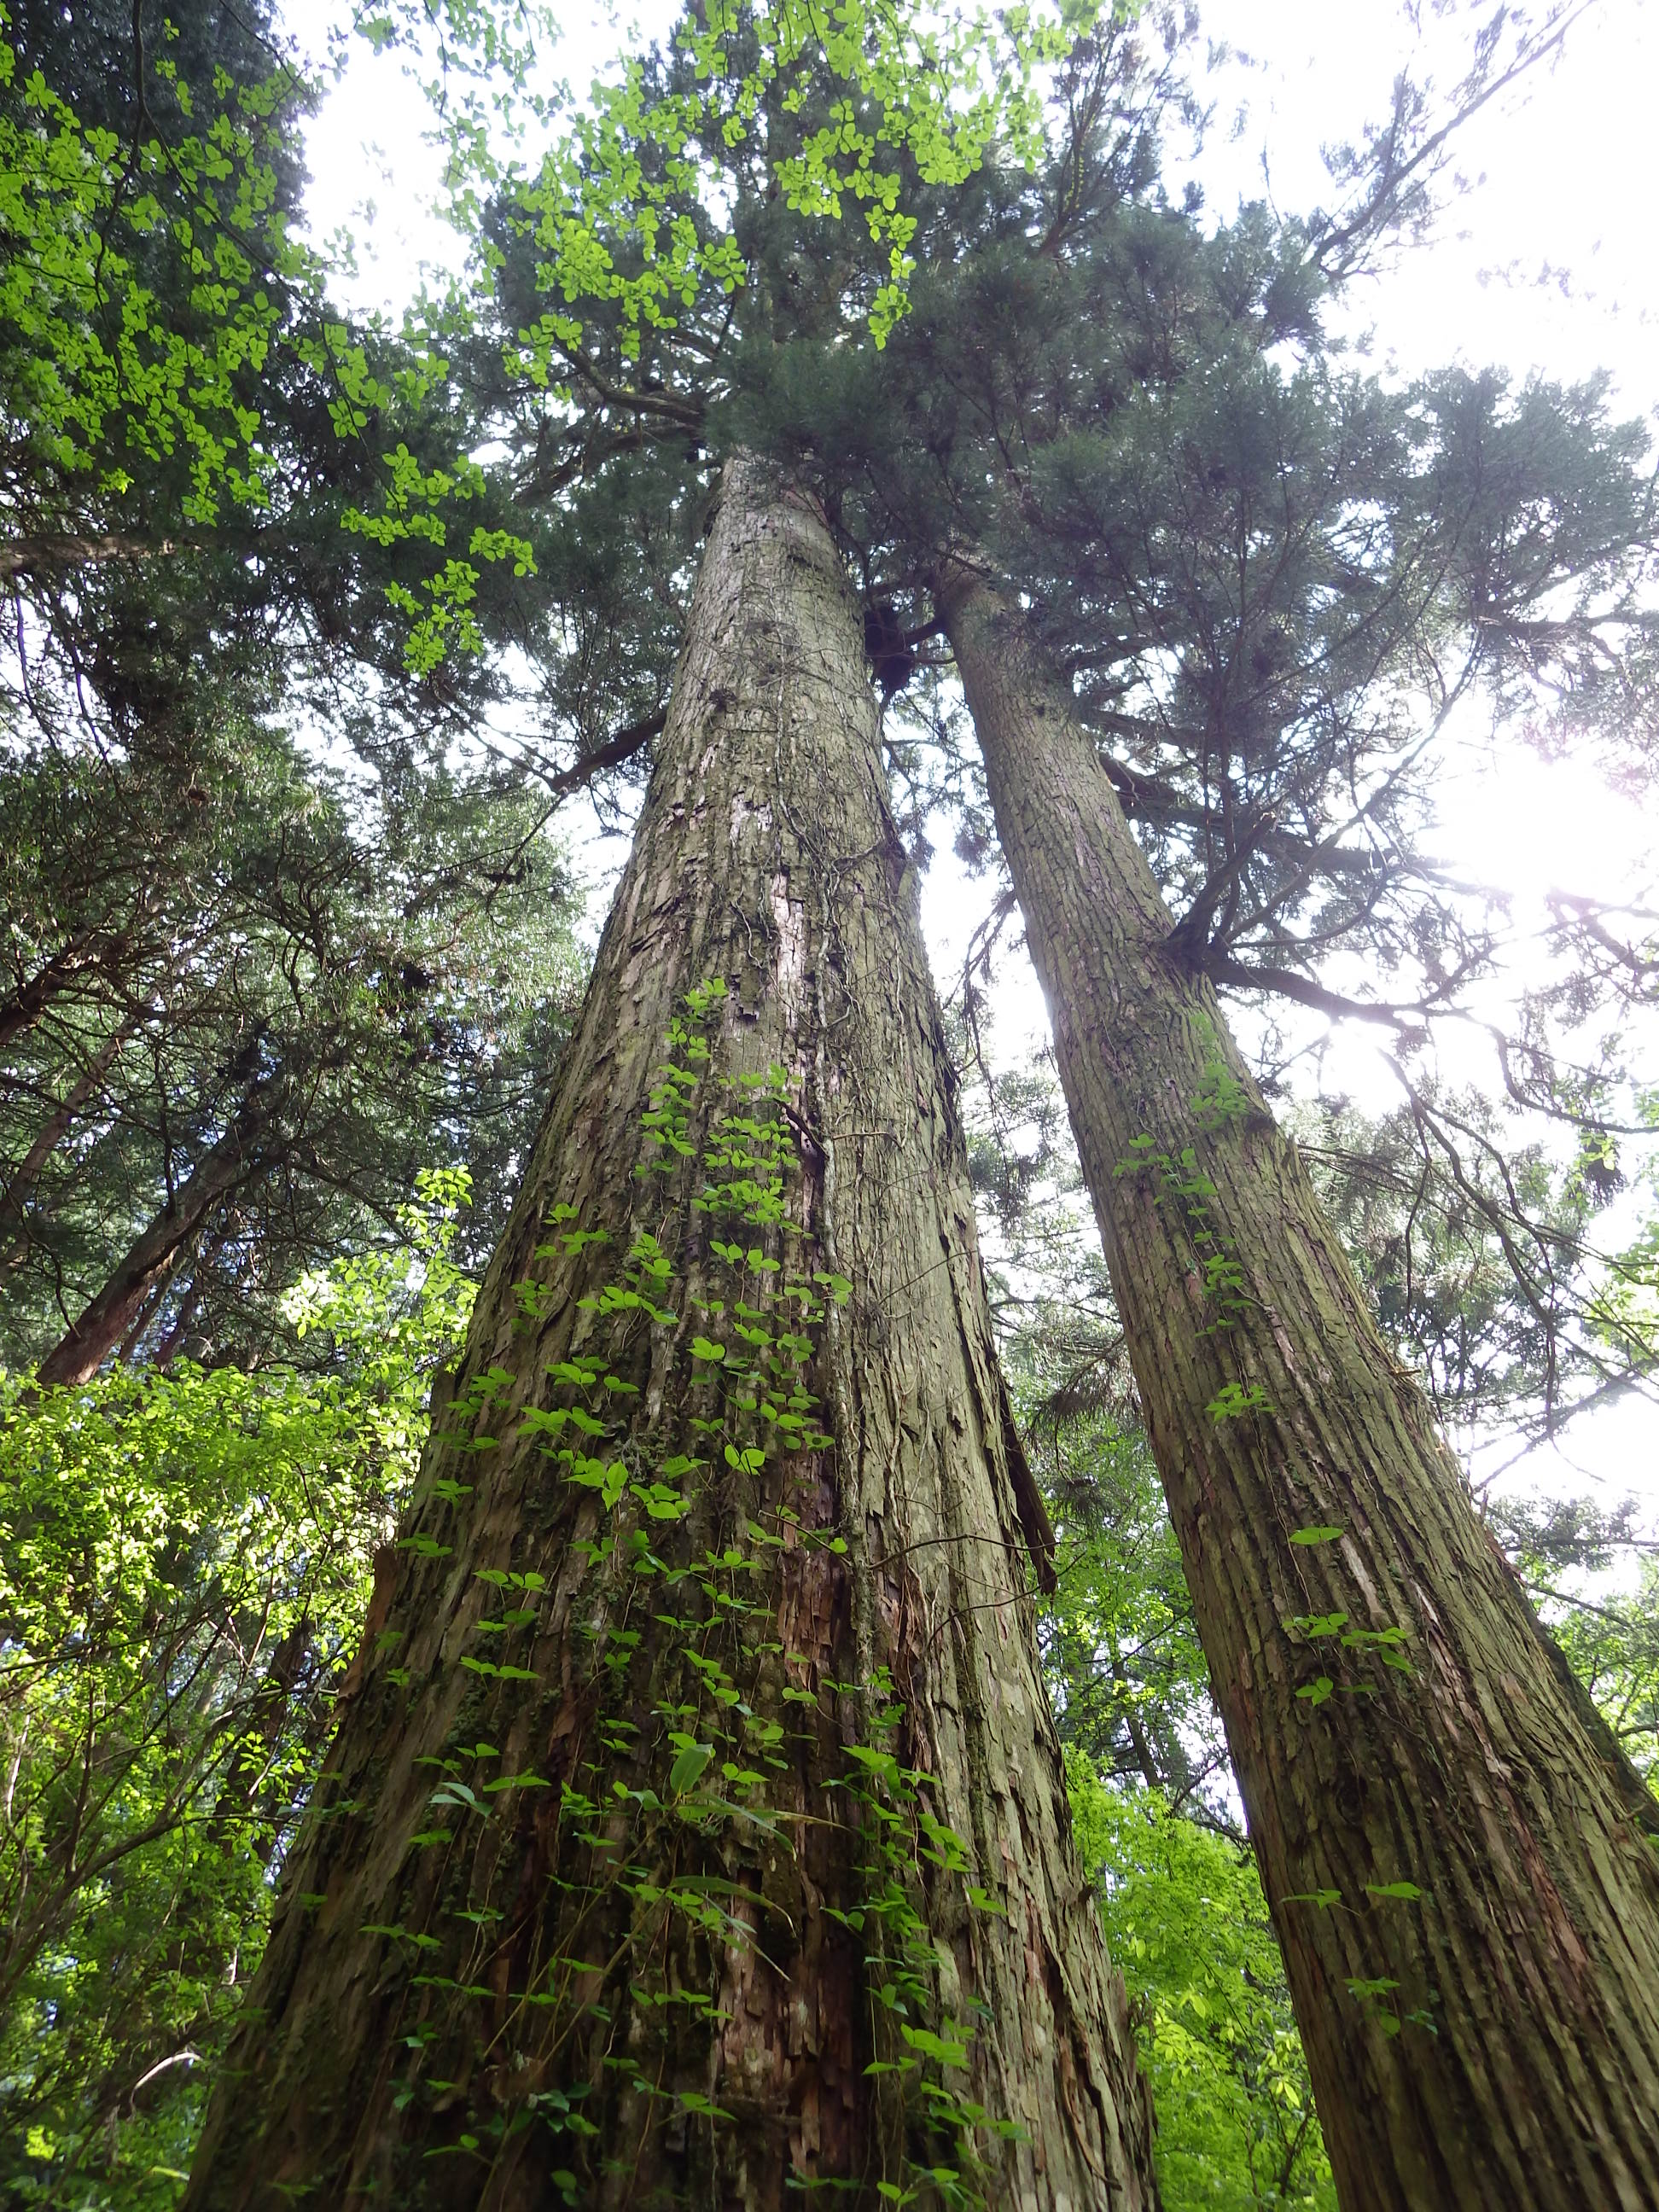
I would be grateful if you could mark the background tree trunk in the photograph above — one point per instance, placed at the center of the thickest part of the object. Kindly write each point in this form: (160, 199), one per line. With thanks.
(56, 1126)
(22, 1008)
(703, 1764)
(1492, 2041)
(89, 1340)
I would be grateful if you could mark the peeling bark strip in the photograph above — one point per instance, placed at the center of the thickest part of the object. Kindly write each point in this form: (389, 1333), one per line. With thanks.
(1391, 1704)
(696, 1830)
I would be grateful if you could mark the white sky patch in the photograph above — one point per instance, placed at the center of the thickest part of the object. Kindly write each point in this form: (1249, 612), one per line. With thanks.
(1560, 170)
(374, 170)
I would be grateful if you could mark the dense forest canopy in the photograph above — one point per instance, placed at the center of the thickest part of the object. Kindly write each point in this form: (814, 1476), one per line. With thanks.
(828, 411)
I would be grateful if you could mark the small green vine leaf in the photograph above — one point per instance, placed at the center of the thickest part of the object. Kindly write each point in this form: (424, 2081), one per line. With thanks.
(1232, 1400)
(688, 1767)
(945, 2048)
(457, 1793)
(705, 2107)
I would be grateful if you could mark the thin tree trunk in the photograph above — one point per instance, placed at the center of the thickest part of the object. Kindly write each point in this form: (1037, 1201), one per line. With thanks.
(89, 1340)
(52, 550)
(697, 1830)
(1451, 1843)
(22, 1007)
(58, 1125)
(203, 1957)
(259, 1733)
(178, 1329)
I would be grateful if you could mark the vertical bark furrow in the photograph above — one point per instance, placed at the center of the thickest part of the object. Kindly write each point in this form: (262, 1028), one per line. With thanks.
(724, 1850)
(1451, 1845)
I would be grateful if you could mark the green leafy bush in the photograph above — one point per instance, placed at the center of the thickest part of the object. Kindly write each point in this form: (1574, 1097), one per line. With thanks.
(1187, 1925)
(187, 1556)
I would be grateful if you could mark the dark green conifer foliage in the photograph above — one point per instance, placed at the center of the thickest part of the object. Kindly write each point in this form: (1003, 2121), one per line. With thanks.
(1275, 579)
(375, 980)
(274, 903)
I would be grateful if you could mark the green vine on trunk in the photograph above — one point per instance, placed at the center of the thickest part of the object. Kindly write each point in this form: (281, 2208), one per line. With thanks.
(674, 1839)
(1221, 1108)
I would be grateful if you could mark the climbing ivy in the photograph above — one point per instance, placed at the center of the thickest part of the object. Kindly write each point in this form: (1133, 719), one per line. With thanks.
(710, 1743)
(1222, 1111)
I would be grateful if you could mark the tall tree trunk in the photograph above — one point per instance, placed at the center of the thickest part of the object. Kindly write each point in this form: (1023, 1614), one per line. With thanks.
(696, 1830)
(89, 1340)
(1452, 1844)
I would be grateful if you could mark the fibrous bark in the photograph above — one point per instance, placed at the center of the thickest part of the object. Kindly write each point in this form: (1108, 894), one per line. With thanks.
(695, 1830)
(1460, 1863)
(50, 550)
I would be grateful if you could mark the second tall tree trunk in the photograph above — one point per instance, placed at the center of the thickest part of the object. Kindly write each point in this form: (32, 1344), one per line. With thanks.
(696, 1832)
(1460, 1867)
